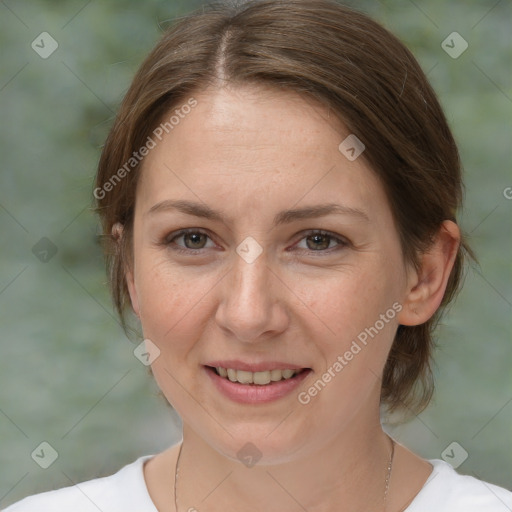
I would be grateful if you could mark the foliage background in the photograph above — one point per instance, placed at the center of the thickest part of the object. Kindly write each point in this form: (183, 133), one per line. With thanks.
(69, 376)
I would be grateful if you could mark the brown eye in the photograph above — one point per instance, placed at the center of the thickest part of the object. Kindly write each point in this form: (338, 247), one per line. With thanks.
(193, 240)
(318, 242)
(321, 241)
(197, 240)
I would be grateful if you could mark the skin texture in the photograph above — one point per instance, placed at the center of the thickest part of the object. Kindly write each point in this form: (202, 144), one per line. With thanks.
(252, 152)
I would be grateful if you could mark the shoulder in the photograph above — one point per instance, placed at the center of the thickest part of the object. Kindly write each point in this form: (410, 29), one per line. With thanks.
(124, 491)
(448, 491)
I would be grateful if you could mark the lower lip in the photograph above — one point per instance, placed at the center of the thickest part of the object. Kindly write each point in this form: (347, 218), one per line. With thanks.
(255, 393)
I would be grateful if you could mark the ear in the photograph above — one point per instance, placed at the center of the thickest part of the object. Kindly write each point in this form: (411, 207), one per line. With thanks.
(426, 287)
(117, 233)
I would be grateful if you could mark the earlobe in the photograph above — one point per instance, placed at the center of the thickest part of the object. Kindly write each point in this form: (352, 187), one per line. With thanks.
(117, 234)
(117, 231)
(427, 285)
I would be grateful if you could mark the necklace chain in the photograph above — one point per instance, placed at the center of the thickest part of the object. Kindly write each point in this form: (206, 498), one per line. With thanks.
(388, 474)
(386, 489)
(176, 479)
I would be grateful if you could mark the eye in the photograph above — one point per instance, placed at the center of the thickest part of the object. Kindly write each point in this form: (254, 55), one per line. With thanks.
(194, 240)
(320, 241)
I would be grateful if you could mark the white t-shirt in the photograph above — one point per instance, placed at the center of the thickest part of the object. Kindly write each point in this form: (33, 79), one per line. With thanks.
(126, 491)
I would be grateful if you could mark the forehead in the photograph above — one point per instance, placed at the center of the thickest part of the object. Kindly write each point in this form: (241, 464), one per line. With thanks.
(255, 148)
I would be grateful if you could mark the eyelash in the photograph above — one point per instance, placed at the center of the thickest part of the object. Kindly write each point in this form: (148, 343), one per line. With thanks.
(169, 240)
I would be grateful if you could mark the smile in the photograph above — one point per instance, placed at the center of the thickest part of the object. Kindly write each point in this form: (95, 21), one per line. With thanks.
(259, 378)
(256, 387)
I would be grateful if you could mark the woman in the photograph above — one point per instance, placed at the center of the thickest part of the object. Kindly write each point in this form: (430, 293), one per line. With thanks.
(279, 195)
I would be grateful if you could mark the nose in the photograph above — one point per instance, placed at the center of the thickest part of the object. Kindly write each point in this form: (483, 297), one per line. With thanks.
(253, 302)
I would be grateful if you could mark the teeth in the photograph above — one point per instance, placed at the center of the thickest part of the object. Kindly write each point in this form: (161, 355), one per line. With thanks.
(288, 373)
(244, 377)
(276, 375)
(260, 378)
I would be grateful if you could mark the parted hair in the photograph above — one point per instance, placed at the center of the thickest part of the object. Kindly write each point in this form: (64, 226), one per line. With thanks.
(345, 61)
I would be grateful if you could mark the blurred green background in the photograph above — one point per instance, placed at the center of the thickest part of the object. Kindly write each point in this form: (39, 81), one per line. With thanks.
(69, 376)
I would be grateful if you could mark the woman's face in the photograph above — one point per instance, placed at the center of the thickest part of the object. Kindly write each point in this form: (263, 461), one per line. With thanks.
(255, 285)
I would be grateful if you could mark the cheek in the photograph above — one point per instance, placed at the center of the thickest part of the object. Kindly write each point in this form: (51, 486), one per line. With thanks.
(173, 313)
(339, 305)
(362, 312)
(171, 300)
(350, 302)
(362, 321)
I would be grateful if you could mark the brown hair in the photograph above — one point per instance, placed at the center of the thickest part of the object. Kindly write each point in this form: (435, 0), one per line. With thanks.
(347, 62)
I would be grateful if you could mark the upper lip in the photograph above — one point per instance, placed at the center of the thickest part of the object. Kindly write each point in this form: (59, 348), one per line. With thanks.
(262, 366)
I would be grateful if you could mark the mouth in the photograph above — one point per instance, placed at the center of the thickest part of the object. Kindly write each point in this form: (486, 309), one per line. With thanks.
(246, 387)
(261, 378)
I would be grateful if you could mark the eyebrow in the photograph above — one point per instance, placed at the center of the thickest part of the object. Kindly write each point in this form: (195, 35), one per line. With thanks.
(283, 217)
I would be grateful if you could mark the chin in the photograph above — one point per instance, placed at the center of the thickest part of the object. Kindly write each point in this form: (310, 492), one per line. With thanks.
(251, 446)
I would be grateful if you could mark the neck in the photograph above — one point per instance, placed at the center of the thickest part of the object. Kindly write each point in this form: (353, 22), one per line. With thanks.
(347, 472)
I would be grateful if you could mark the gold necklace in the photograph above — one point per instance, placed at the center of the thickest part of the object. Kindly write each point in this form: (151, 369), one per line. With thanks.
(386, 488)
